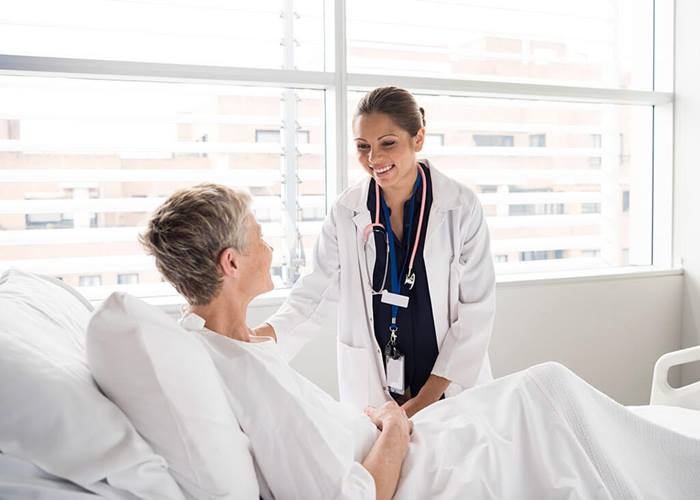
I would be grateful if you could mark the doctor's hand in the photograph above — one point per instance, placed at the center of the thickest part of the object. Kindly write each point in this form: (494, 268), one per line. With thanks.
(390, 414)
(265, 330)
(431, 392)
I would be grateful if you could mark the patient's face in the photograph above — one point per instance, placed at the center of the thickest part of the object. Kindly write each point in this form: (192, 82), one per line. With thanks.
(255, 271)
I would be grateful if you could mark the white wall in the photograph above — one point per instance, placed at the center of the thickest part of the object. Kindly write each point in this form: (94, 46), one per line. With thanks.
(609, 330)
(687, 170)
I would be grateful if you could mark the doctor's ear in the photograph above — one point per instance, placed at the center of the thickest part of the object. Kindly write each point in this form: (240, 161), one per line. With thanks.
(229, 262)
(419, 139)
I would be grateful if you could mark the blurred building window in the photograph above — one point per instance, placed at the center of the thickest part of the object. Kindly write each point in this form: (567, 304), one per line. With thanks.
(128, 279)
(434, 140)
(90, 280)
(275, 136)
(538, 140)
(590, 208)
(493, 140)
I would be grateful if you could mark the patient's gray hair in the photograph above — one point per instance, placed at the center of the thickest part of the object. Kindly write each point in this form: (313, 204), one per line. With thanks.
(188, 232)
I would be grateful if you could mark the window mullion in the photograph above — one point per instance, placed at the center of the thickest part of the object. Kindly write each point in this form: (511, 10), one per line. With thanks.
(336, 100)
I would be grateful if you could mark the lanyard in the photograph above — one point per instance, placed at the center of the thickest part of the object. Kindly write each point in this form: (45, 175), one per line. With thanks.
(394, 272)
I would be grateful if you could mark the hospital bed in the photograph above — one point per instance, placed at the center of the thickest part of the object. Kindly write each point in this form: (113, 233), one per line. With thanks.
(675, 408)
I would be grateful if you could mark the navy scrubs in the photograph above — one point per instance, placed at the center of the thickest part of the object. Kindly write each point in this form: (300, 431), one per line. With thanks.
(416, 327)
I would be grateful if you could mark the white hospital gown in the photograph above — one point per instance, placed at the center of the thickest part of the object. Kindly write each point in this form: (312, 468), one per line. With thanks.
(541, 433)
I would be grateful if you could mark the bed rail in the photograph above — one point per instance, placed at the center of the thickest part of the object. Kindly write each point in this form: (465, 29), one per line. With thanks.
(661, 391)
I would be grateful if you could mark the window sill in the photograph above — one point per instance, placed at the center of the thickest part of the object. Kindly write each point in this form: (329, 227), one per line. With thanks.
(583, 276)
(172, 304)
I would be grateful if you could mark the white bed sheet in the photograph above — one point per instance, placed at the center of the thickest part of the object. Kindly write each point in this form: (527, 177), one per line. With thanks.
(22, 480)
(680, 420)
(540, 433)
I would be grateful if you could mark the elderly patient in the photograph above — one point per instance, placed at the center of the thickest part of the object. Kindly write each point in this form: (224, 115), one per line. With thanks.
(541, 433)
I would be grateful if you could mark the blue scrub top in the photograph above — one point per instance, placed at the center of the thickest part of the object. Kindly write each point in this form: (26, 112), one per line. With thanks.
(416, 334)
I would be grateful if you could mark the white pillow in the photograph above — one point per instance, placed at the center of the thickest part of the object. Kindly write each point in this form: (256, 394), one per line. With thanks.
(53, 414)
(163, 378)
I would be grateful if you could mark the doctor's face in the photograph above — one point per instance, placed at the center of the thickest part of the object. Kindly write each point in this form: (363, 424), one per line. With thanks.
(386, 151)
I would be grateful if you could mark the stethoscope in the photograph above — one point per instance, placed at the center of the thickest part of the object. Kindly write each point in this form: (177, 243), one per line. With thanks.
(378, 227)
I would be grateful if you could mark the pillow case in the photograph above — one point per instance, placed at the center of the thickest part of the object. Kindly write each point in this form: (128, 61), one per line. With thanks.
(164, 380)
(53, 414)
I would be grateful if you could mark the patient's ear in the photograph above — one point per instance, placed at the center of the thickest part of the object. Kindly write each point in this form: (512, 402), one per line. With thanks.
(229, 262)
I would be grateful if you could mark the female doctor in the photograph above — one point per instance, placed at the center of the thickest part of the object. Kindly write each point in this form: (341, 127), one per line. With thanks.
(405, 256)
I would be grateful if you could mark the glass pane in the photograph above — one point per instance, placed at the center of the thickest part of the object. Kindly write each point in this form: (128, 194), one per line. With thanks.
(208, 32)
(563, 185)
(600, 43)
(83, 163)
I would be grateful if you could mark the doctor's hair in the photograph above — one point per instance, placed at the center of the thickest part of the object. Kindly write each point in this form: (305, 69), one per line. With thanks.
(188, 232)
(399, 104)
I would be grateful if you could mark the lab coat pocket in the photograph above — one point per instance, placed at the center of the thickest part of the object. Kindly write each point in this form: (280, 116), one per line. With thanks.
(353, 375)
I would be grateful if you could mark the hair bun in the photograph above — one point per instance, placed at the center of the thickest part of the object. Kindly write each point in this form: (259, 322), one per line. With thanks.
(422, 114)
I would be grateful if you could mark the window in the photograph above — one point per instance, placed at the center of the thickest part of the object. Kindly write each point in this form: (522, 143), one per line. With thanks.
(536, 209)
(542, 255)
(128, 279)
(511, 40)
(538, 140)
(554, 161)
(90, 280)
(595, 161)
(590, 208)
(48, 221)
(9, 129)
(275, 136)
(493, 140)
(433, 140)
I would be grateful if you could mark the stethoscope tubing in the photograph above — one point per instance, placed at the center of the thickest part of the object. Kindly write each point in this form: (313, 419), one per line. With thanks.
(371, 228)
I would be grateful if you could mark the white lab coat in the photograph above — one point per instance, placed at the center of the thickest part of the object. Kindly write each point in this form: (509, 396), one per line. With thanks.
(461, 281)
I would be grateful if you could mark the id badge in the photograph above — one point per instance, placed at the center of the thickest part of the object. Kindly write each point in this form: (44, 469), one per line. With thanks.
(394, 299)
(394, 374)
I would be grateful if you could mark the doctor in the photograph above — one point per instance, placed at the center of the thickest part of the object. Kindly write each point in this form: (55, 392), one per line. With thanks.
(405, 257)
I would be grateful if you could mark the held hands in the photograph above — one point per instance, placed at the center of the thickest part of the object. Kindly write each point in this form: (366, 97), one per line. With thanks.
(390, 416)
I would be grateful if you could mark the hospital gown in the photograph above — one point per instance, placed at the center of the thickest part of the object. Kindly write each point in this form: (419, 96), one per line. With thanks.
(540, 433)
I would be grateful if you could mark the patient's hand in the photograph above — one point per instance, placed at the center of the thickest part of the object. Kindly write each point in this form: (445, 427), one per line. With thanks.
(389, 450)
(390, 414)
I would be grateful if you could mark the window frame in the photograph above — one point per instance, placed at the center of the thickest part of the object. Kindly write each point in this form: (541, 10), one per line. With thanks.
(336, 82)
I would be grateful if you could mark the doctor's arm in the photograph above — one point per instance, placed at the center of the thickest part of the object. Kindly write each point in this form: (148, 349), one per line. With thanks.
(304, 305)
(431, 392)
(465, 346)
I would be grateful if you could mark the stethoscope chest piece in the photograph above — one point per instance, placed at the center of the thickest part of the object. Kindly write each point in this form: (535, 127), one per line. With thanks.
(410, 280)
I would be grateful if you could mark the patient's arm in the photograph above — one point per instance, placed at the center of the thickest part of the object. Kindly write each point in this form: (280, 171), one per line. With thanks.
(385, 458)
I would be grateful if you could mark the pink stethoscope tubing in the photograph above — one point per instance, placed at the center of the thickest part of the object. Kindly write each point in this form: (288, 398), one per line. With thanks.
(410, 279)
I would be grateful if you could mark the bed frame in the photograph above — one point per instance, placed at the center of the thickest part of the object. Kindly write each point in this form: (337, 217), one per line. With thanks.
(661, 391)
